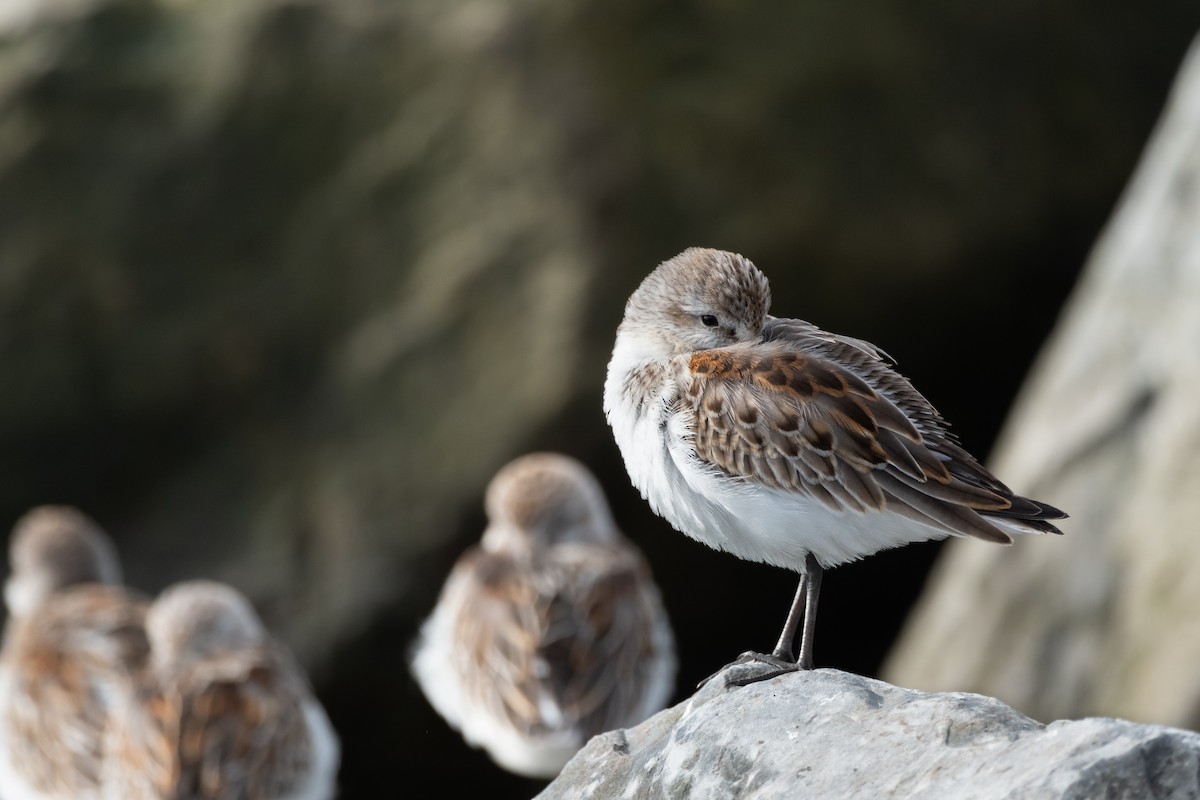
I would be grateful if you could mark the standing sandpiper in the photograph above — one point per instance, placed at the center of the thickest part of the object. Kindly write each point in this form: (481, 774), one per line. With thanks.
(779, 442)
(224, 710)
(549, 631)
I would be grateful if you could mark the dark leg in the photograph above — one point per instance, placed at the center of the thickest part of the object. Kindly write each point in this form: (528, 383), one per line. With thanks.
(781, 661)
(783, 648)
(811, 585)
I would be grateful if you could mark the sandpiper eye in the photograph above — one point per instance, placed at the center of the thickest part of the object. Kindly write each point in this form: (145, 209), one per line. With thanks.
(709, 320)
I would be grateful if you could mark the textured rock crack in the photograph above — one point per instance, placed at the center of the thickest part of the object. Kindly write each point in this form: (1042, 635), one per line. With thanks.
(832, 734)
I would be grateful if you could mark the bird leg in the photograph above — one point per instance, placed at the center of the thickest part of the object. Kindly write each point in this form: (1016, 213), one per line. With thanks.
(813, 572)
(781, 660)
(783, 648)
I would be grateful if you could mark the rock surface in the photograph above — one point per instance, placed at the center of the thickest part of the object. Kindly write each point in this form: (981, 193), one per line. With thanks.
(1104, 619)
(829, 734)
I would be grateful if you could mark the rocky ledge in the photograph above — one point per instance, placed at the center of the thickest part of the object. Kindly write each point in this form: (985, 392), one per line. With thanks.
(830, 734)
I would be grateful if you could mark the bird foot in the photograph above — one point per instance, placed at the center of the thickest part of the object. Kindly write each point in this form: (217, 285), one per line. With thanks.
(763, 667)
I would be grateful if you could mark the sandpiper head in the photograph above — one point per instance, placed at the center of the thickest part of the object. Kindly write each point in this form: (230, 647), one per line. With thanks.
(543, 499)
(53, 548)
(196, 620)
(699, 299)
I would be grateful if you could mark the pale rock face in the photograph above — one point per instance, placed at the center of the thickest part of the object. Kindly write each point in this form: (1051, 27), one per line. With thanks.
(1104, 619)
(829, 734)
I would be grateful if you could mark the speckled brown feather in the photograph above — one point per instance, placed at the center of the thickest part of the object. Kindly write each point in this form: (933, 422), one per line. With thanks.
(241, 729)
(565, 630)
(140, 759)
(66, 661)
(223, 711)
(227, 728)
(825, 416)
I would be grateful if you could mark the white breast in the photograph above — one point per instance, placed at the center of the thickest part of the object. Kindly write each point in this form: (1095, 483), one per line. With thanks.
(753, 522)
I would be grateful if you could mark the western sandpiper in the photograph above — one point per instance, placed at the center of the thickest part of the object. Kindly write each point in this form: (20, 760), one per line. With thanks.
(224, 712)
(74, 641)
(551, 629)
(780, 442)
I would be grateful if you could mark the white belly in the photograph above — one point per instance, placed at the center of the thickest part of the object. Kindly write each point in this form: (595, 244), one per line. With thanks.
(753, 522)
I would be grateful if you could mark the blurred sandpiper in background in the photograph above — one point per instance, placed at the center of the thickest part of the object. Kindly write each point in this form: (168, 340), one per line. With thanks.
(284, 284)
(104, 694)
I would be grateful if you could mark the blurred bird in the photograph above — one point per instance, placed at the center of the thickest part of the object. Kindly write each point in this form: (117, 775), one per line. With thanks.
(779, 442)
(226, 714)
(551, 630)
(74, 640)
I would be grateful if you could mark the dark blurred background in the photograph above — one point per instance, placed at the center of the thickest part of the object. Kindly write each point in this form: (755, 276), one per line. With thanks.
(282, 284)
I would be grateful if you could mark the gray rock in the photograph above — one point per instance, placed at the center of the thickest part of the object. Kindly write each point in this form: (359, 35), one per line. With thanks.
(1102, 620)
(829, 734)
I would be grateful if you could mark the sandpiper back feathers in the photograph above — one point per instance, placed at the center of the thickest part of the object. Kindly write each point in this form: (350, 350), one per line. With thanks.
(225, 712)
(780, 442)
(551, 629)
(74, 641)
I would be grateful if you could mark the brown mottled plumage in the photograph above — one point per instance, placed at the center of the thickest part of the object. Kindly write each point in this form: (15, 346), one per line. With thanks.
(780, 442)
(227, 713)
(72, 645)
(549, 631)
(559, 632)
(793, 413)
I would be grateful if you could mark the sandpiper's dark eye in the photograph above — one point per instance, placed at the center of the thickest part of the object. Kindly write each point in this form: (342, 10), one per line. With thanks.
(709, 320)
